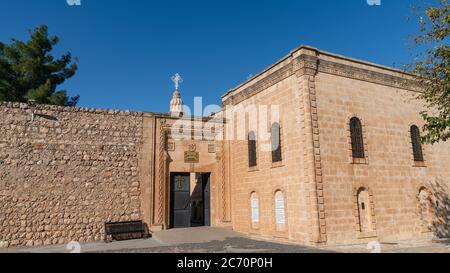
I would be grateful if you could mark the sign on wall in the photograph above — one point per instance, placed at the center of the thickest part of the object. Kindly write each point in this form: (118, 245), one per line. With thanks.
(191, 157)
(171, 146)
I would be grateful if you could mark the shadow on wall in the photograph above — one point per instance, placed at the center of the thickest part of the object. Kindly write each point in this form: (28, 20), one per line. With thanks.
(440, 206)
(434, 205)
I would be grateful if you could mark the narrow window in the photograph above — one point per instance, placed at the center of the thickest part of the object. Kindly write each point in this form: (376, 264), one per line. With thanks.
(279, 208)
(416, 145)
(252, 158)
(255, 207)
(276, 143)
(357, 138)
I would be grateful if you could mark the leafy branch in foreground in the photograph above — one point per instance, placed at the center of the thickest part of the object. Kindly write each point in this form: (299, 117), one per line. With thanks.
(432, 65)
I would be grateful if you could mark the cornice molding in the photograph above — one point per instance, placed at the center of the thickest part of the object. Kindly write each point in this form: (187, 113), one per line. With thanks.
(356, 73)
(311, 65)
(272, 79)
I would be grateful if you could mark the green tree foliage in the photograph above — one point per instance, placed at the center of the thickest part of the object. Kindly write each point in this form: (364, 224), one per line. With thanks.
(433, 67)
(28, 71)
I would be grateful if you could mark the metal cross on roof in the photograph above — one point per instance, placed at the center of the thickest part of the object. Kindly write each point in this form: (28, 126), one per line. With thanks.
(177, 80)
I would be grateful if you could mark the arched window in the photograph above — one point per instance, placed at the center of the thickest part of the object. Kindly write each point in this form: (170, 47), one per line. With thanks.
(254, 203)
(279, 208)
(252, 158)
(357, 138)
(276, 142)
(364, 211)
(416, 144)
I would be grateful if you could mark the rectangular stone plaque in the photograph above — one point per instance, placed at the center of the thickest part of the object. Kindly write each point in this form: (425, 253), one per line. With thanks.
(255, 210)
(211, 148)
(279, 210)
(171, 146)
(191, 157)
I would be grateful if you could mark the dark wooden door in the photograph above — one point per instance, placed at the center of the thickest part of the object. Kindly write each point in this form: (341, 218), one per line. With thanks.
(180, 209)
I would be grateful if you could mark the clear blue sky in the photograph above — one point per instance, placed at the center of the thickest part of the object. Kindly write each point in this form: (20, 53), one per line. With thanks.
(128, 49)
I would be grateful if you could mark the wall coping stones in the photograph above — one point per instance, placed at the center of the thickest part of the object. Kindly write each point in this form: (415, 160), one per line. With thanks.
(67, 109)
(44, 107)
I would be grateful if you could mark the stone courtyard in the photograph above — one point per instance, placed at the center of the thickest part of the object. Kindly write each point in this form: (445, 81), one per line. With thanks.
(219, 240)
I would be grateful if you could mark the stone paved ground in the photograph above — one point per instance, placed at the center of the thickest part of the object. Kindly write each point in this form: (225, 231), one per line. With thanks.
(411, 246)
(232, 245)
(217, 240)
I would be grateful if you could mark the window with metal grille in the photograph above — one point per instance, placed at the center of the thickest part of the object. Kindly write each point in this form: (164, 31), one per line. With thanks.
(252, 159)
(416, 144)
(357, 138)
(276, 143)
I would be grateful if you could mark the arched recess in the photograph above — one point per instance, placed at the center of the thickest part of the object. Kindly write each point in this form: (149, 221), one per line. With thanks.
(426, 212)
(280, 210)
(255, 209)
(364, 212)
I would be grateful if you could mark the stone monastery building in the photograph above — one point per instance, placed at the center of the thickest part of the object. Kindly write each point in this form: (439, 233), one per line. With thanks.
(316, 149)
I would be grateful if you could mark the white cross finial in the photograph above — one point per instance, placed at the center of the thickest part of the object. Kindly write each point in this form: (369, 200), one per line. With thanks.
(177, 80)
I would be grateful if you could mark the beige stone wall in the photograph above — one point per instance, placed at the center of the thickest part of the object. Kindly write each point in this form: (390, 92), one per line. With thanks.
(163, 154)
(318, 93)
(209, 147)
(147, 168)
(268, 178)
(390, 174)
(208, 164)
(63, 175)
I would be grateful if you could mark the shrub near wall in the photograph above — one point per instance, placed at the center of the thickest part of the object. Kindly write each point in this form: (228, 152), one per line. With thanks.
(65, 171)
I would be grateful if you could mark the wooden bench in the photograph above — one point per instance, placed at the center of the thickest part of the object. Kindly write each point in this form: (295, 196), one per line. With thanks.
(130, 230)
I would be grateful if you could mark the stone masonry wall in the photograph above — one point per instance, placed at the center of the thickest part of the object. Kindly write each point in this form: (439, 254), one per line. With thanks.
(330, 197)
(67, 172)
(389, 172)
(267, 178)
